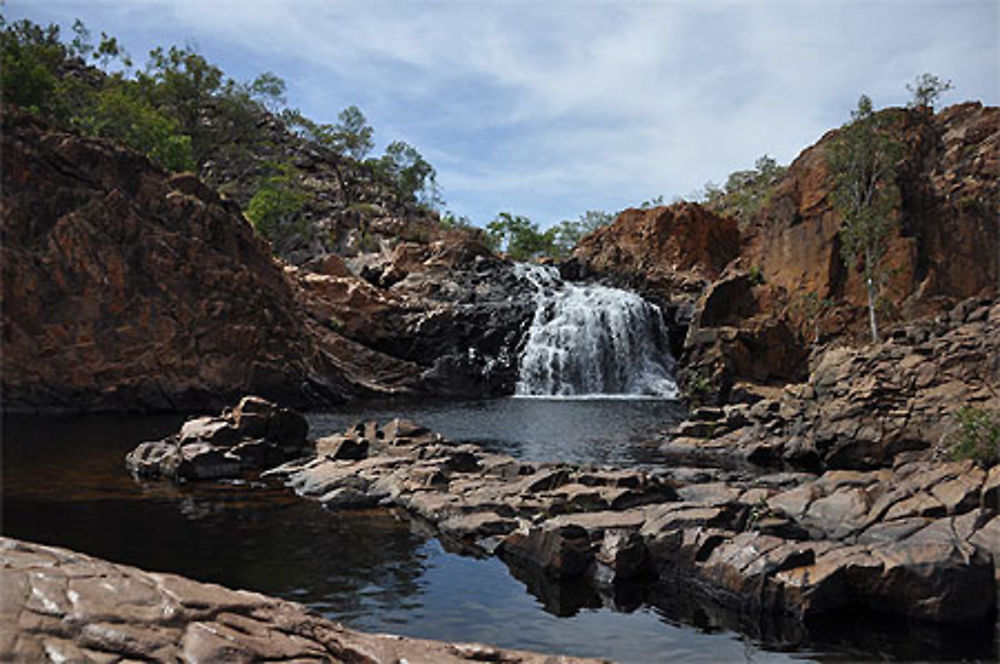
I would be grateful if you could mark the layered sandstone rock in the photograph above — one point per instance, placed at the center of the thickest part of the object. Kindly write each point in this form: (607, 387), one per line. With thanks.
(126, 289)
(861, 407)
(917, 540)
(62, 606)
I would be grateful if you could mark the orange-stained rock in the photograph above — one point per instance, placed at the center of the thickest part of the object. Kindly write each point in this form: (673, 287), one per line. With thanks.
(125, 288)
(946, 246)
(667, 252)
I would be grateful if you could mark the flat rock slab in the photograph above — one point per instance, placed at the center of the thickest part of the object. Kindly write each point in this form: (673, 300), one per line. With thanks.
(798, 545)
(61, 606)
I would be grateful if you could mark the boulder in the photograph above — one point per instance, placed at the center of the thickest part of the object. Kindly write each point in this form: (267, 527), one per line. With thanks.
(257, 434)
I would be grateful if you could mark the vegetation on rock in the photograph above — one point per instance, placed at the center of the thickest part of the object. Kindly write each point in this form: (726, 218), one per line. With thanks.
(863, 161)
(184, 113)
(926, 90)
(746, 192)
(522, 240)
(976, 435)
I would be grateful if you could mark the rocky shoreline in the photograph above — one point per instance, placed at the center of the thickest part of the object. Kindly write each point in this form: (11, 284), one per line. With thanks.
(62, 606)
(916, 539)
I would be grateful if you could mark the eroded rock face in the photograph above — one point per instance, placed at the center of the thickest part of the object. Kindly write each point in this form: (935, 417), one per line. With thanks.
(862, 407)
(127, 289)
(59, 605)
(946, 246)
(735, 335)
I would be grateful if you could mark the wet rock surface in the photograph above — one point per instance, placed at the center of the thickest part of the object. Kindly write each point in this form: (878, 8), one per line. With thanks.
(58, 605)
(914, 540)
(449, 309)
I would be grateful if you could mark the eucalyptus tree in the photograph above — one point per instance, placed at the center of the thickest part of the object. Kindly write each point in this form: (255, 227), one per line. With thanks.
(863, 161)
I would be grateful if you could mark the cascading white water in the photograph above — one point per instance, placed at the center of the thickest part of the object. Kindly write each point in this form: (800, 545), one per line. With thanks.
(592, 340)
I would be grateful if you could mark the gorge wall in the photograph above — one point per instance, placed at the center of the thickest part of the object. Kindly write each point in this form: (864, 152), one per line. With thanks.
(760, 298)
(128, 289)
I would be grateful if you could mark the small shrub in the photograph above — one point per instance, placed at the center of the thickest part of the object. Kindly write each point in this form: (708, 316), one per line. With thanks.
(699, 388)
(760, 511)
(756, 275)
(976, 436)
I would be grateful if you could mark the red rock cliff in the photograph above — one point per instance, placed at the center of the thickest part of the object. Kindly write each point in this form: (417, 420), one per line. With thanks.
(946, 247)
(126, 289)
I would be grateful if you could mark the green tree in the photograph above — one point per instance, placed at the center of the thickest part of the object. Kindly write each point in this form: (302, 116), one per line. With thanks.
(568, 233)
(745, 192)
(412, 176)
(122, 115)
(863, 159)
(519, 237)
(181, 82)
(275, 209)
(926, 90)
(351, 136)
(30, 60)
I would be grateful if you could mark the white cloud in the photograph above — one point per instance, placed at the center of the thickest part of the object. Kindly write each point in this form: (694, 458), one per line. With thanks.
(552, 108)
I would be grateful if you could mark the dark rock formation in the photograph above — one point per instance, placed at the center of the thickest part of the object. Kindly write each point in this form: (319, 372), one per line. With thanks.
(862, 407)
(449, 307)
(63, 606)
(255, 435)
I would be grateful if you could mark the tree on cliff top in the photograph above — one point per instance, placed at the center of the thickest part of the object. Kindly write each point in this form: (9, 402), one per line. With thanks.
(926, 90)
(863, 159)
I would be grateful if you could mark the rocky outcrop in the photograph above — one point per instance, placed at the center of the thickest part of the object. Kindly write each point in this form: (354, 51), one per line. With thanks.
(862, 407)
(669, 254)
(128, 289)
(917, 540)
(253, 436)
(946, 249)
(63, 606)
(736, 335)
(946, 246)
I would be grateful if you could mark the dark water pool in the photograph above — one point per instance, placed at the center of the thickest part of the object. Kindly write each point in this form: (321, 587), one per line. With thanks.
(64, 483)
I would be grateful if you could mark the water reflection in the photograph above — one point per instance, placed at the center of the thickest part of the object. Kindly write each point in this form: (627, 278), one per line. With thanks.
(611, 431)
(64, 483)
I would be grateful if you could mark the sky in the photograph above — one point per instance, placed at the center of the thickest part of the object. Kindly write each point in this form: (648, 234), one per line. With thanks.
(551, 108)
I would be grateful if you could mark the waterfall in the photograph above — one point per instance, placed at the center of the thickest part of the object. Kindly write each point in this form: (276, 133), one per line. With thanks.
(587, 339)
